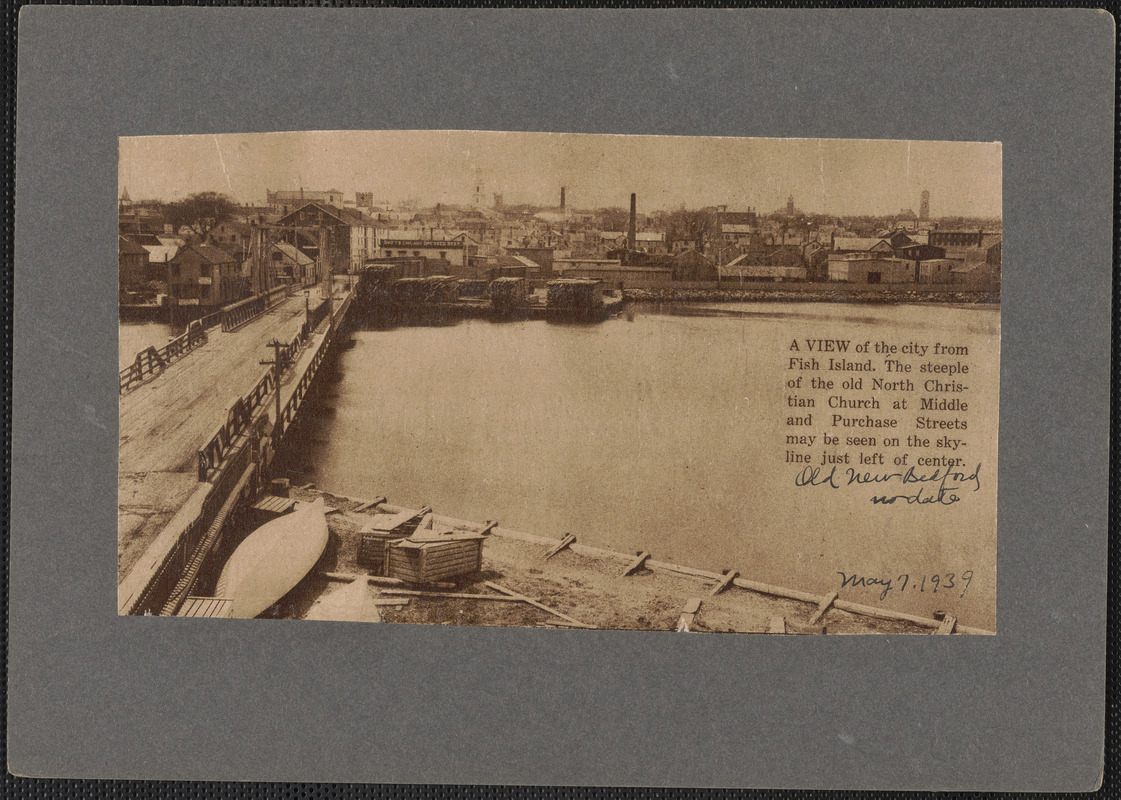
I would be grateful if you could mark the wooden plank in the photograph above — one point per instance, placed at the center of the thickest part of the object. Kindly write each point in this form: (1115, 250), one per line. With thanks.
(532, 602)
(688, 614)
(380, 580)
(451, 595)
(377, 501)
(822, 607)
(948, 624)
(486, 529)
(724, 582)
(776, 625)
(565, 542)
(445, 537)
(636, 564)
(307, 486)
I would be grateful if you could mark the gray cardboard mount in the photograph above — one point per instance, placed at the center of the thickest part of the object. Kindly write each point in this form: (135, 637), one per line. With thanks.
(94, 695)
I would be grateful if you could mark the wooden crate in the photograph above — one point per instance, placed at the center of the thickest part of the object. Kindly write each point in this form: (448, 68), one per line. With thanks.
(425, 562)
(373, 547)
(380, 532)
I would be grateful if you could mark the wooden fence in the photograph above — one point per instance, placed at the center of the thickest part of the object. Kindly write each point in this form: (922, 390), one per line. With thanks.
(152, 360)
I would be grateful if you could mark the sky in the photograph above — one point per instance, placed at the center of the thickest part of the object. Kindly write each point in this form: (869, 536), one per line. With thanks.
(825, 176)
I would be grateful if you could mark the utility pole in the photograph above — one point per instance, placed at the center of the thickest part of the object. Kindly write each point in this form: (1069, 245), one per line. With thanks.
(277, 366)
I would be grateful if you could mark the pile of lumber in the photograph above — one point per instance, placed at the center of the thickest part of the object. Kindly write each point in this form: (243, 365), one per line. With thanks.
(507, 293)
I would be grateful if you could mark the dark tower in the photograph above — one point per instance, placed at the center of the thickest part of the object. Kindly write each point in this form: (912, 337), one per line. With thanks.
(562, 198)
(924, 205)
(632, 230)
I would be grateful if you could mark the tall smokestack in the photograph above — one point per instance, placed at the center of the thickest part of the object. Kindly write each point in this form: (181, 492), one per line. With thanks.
(632, 233)
(562, 198)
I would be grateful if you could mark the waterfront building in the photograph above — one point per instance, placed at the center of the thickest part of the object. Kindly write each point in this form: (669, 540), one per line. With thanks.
(346, 237)
(690, 265)
(456, 249)
(286, 263)
(740, 271)
(542, 256)
(869, 268)
(937, 270)
(203, 275)
(132, 264)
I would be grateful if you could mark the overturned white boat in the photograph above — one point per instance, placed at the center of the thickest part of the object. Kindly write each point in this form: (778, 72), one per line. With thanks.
(273, 559)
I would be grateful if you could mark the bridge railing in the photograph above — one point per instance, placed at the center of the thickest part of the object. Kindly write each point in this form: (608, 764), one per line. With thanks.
(237, 314)
(316, 316)
(148, 587)
(223, 460)
(210, 320)
(153, 359)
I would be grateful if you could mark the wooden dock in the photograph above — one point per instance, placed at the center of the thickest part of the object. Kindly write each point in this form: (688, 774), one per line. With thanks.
(165, 420)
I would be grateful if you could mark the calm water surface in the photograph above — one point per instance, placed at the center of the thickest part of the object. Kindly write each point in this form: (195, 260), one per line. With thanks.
(136, 336)
(662, 430)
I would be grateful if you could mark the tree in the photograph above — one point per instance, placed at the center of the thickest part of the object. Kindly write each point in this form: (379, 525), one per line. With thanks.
(614, 219)
(692, 227)
(200, 212)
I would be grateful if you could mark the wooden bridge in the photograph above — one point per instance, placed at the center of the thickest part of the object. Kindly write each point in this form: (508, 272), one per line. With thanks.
(198, 426)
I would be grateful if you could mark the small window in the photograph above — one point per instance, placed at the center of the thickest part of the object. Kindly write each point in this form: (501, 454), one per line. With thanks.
(444, 255)
(416, 253)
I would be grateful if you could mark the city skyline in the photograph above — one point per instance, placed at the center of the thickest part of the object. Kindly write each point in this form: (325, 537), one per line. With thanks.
(838, 177)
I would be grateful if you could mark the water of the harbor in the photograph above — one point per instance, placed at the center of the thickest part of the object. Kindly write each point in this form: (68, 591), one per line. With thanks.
(136, 336)
(664, 430)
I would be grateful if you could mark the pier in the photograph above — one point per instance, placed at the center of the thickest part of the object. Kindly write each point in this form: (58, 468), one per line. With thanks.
(200, 420)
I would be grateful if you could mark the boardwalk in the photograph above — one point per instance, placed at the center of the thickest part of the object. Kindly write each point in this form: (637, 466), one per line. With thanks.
(164, 422)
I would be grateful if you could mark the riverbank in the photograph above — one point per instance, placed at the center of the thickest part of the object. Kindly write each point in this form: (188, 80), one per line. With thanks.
(824, 293)
(582, 583)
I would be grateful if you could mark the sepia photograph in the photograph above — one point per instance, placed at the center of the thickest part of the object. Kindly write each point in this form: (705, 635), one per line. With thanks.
(560, 380)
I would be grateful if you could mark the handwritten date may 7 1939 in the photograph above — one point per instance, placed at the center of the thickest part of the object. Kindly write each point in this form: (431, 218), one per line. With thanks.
(946, 581)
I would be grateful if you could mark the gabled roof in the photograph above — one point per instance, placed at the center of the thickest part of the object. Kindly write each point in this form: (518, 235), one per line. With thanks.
(346, 216)
(858, 244)
(126, 246)
(294, 253)
(161, 253)
(208, 252)
(528, 263)
(691, 256)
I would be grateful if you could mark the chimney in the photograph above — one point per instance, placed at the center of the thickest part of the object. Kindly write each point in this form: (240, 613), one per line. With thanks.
(632, 233)
(562, 198)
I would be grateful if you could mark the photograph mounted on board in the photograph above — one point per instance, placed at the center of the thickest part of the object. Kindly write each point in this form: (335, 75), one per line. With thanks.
(661, 383)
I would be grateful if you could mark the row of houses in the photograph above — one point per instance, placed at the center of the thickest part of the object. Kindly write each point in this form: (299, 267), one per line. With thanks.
(300, 237)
